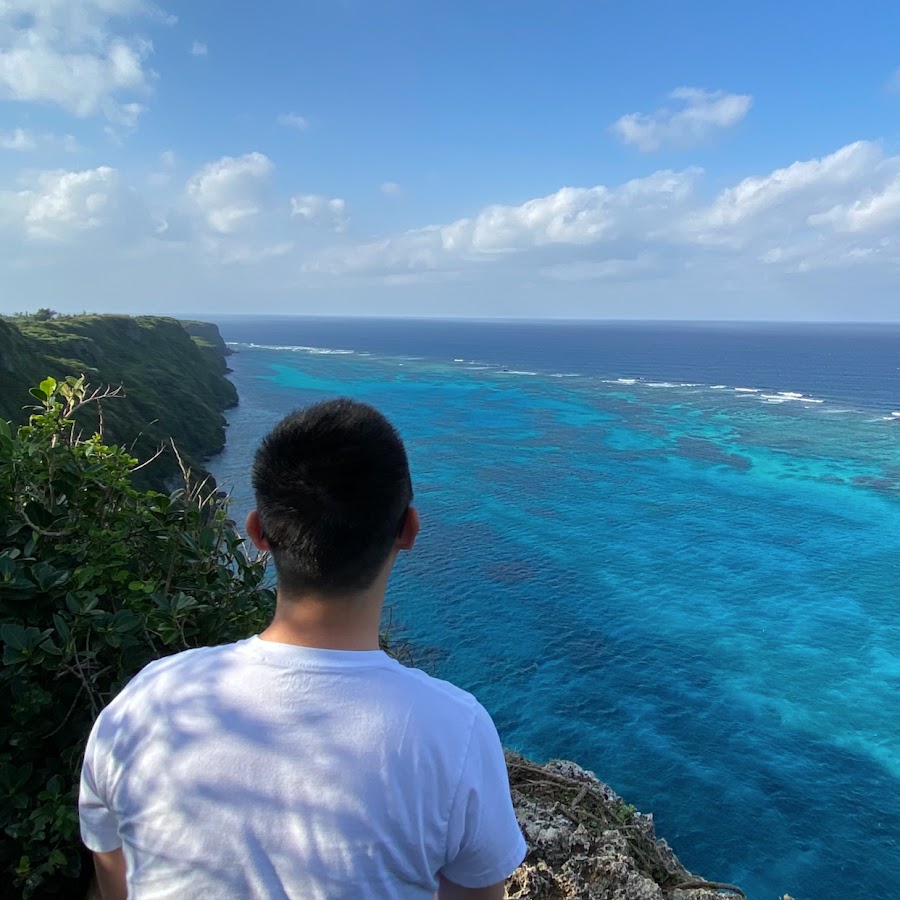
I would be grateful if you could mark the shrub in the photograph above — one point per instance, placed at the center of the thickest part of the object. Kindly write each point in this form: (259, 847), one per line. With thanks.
(97, 578)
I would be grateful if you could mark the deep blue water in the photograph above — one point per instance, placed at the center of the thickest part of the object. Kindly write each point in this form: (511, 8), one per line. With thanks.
(669, 552)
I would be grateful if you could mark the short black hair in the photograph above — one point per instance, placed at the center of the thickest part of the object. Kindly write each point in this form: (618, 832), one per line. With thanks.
(332, 490)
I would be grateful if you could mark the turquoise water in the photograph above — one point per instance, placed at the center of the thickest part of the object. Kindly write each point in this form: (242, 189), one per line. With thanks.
(692, 590)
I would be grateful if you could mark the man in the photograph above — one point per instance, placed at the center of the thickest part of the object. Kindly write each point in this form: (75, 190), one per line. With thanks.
(304, 762)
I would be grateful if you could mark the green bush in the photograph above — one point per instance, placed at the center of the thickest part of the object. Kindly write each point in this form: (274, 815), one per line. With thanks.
(97, 578)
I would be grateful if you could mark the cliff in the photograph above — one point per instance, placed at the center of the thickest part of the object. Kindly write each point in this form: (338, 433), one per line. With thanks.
(585, 843)
(173, 376)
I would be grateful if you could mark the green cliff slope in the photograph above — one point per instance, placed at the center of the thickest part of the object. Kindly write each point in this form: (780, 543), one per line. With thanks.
(174, 381)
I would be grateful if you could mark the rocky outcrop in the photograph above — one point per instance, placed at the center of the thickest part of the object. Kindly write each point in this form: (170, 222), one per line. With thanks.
(586, 843)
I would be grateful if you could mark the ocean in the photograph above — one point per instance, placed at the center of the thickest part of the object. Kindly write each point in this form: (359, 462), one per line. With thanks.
(669, 552)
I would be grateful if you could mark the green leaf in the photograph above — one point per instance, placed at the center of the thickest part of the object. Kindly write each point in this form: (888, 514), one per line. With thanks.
(4, 429)
(38, 394)
(14, 636)
(48, 386)
(49, 647)
(125, 620)
(62, 627)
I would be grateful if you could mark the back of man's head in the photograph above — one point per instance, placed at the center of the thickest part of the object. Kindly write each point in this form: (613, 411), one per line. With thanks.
(332, 491)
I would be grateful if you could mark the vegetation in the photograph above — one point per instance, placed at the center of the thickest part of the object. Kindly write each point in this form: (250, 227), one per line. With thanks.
(175, 383)
(97, 578)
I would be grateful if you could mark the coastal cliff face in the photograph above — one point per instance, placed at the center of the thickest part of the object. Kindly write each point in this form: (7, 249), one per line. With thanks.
(206, 336)
(173, 376)
(585, 843)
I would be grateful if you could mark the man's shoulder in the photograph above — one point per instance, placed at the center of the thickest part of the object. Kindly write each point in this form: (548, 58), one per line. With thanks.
(177, 668)
(443, 696)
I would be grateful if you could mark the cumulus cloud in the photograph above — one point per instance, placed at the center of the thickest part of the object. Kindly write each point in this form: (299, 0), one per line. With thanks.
(293, 120)
(230, 193)
(768, 201)
(571, 216)
(62, 206)
(323, 212)
(198, 48)
(698, 115)
(794, 218)
(67, 53)
(827, 228)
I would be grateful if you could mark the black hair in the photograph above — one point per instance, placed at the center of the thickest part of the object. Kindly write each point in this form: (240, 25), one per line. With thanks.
(332, 492)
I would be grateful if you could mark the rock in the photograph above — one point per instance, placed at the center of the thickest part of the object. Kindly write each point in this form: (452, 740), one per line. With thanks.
(585, 843)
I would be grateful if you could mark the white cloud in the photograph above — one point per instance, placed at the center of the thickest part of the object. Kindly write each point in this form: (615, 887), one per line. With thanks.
(878, 210)
(18, 139)
(325, 212)
(819, 234)
(391, 189)
(293, 120)
(839, 210)
(700, 114)
(199, 49)
(23, 140)
(231, 192)
(575, 217)
(62, 206)
(169, 159)
(762, 205)
(67, 53)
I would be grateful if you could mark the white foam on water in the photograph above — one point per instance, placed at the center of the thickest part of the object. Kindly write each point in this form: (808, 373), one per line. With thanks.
(458, 360)
(300, 348)
(517, 372)
(788, 397)
(625, 381)
(718, 387)
(662, 384)
(747, 390)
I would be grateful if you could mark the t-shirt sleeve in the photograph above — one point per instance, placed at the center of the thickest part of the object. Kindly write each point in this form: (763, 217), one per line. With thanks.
(99, 827)
(484, 841)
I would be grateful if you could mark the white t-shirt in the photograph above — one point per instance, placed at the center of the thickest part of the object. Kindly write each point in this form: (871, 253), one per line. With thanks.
(266, 770)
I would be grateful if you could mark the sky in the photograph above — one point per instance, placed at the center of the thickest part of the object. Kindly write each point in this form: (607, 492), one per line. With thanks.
(534, 158)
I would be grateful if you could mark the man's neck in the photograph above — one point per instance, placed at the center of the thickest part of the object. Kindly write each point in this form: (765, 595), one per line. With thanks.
(327, 623)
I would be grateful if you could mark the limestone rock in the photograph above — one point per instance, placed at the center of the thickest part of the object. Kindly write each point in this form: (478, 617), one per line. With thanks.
(585, 843)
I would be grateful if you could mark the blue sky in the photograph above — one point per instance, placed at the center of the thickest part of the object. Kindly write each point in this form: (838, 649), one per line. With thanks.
(589, 159)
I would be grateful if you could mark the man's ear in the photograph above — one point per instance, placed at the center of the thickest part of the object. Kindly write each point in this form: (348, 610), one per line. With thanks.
(410, 530)
(255, 532)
